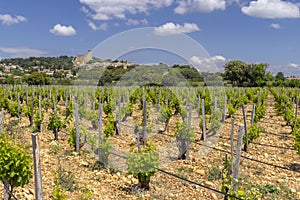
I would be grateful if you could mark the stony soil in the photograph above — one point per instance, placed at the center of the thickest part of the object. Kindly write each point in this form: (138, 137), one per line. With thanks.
(274, 147)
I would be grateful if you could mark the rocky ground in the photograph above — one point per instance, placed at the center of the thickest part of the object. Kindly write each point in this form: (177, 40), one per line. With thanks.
(85, 179)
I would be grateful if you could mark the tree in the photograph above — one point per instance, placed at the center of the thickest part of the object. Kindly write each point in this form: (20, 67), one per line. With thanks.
(37, 78)
(237, 72)
(243, 74)
(279, 76)
(257, 75)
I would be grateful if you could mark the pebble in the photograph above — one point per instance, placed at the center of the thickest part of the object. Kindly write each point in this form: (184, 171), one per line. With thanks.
(214, 196)
(200, 171)
(293, 190)
(266, 155)
(208, 183)
(280, 181)
(84, 163)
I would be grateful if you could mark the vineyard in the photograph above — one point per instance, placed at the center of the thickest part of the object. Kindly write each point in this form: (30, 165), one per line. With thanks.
(149, 142)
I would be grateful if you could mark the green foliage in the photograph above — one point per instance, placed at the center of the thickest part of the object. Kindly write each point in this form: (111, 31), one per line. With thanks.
(126, 110)
(297, 141)
(87, 194)
(72, 138)
(184, 132)
(189, 73)
(143, 165)
(243, 74)
(55, 148)
(165, 115)
(66, 179)
(109, 129)
(231, 110)
(55, 124)
(37, 78)
(28, 111)
(236, 71)
(215, 121)
(253, 133)
(289, 115)
(13, 109)
(260, 112)
(214, 173)
(69, 110)
(104, 148)
(58, 193)
(15, 164)
(201, 123)
(38, 122)
(107, 108)
(268, 188)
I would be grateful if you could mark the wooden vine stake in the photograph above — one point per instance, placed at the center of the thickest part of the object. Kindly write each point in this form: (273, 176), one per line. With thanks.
(296, 112)
(100, 131)
(203, 137)
(189, 131)
(199, 105)
(246, 132)
(1, 119)
(77, 128)
(37, 167)
(253, 114)
(235, 175)
(19, 108)
(145, 123)
(232, 145)
(118, 117)
(224, 111)
(100, 121)
(40, 113)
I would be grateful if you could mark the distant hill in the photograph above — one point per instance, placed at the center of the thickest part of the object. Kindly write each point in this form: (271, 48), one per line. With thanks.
(64, 70)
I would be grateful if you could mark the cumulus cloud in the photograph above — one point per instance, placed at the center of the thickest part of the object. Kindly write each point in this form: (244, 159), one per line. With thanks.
(63, 30)
(208, 63)
(135, 22)
(22, 51)
(291, 69)
(186, 6)
(9, 19)
(276, 26)
(102, 27)
(108, 9)
(293, 65)
(271, 9)
(173, 29)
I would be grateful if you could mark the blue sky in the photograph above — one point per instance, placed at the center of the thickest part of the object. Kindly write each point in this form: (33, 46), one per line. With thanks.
(252, 31)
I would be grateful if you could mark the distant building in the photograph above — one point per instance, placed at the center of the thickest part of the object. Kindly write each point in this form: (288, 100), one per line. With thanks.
(82, 59)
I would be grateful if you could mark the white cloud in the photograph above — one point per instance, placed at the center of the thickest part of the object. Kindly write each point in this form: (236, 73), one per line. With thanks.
(63, 30)
(84, 10)
(271, 9)
(135, 22)
(108, 9)
(102, 27)
(8, 19)
(173, 29)
(290, 69)
(22, 51)
(205, 6)
(207, 64)
(293, 65)
(276, 26)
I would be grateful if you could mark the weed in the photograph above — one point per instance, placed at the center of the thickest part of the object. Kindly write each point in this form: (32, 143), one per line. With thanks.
(214, 173)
